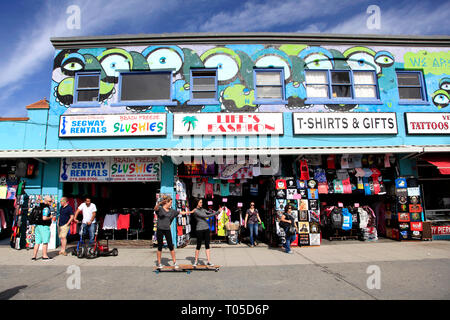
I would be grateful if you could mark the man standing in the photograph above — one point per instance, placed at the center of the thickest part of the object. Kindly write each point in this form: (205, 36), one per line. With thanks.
(65, 219)
(89, 211)
(42, 230)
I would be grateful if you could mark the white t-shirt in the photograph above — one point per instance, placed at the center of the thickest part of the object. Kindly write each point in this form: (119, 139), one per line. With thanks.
(87, 212)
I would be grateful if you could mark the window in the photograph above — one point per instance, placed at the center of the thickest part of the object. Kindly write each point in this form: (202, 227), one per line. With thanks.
(204, 85)
(138, 87)
(345, 85)
(87, 88)
(410, 86)
(269, 85)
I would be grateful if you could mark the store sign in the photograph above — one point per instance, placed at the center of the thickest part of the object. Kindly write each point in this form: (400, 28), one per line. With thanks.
(345, 123)
(427, 123)
(110, 169)
(227, 124)
(107, 125)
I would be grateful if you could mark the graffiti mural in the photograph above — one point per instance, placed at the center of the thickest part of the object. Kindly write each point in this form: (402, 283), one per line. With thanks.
(235, 75)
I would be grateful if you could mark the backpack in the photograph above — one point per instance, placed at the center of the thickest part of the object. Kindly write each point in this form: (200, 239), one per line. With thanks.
(35, 217)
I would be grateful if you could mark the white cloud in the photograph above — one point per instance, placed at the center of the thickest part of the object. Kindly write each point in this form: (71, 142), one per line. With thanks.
(268, 15)
(410, 20)
(33, 44)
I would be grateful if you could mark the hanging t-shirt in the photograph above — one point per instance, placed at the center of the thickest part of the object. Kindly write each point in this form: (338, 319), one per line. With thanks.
(346, 219)
(198, 190)
(280, 184)
(224, 189)
(209, 189)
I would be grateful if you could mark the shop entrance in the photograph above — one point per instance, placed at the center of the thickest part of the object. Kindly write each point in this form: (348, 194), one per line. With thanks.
(125, 210)
(229, 186)
(347, 197)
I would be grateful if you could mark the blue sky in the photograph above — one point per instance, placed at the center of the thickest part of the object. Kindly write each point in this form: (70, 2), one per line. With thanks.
(26, 27)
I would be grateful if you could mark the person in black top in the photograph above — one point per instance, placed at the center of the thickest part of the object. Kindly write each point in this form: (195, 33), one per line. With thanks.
(66, 217)
(166, 214)
(286, 221)
(202, 230)
(251, 222)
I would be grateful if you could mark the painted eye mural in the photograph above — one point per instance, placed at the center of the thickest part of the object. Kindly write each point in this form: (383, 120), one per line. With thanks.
(384, 59)
(72, 63)
(441, 98)
(225, 60)
(166, 58)
(113, 61)
(361, 58)
(317, 58)
(444, 84)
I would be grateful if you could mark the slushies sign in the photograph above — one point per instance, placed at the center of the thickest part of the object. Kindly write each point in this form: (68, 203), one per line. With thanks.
(107, 125)
(227, 124)
(110, 169)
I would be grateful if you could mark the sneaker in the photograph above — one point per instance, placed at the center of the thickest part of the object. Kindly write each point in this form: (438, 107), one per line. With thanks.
(47, 259)
(159, 266)
(33, 259)
(176, 266)
(195, 264)
(209, 264)
(290, 252)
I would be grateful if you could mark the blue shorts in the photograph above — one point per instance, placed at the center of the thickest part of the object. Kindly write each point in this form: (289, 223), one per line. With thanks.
(41, 234)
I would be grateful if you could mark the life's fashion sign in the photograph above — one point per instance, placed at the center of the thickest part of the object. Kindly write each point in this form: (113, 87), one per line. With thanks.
(227, 124)
(427, 123)
(106, 125)
(345, 123)
(110, 169)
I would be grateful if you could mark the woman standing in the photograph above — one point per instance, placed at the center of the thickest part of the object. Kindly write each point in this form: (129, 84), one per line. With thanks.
(251, 220)
(166, 214)
(202, 230)
(287, 221)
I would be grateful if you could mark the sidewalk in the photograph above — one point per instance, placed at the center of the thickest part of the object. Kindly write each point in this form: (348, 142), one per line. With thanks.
(244, 256)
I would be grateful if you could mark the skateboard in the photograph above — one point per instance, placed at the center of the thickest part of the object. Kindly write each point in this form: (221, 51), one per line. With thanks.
(188, 268)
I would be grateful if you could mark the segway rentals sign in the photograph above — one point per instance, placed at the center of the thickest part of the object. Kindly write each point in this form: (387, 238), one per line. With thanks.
(112, 125)
(110, 169)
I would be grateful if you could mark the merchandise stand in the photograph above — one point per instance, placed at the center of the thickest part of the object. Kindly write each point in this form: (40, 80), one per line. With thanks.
(360, 199)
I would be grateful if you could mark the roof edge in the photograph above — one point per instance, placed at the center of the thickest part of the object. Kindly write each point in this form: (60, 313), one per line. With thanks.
(247, 37)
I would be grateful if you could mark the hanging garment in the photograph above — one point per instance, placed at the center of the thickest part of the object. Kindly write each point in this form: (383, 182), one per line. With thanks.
(110, 222)
(331, 162)
(198, 190)
(224, 189)
(123, 221)
(363, 218)
(304, 170)
(346, 219)
(209, 190)
(336, 218)
(223, 218)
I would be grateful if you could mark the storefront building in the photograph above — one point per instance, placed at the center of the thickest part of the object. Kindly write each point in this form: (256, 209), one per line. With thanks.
(338, 127)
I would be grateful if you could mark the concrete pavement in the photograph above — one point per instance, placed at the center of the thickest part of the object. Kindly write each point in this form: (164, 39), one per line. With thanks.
(337, 270)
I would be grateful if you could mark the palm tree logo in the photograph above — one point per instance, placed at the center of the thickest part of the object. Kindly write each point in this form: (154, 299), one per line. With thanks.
(191, 121)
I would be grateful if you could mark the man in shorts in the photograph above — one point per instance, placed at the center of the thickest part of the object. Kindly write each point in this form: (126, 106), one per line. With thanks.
(42, 230)
(65, 219)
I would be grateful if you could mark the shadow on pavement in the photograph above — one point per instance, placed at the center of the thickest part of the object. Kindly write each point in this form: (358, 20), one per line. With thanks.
(8, 294)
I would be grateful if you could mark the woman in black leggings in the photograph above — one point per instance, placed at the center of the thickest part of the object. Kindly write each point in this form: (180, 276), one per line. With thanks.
(165, 215)
(202, 229)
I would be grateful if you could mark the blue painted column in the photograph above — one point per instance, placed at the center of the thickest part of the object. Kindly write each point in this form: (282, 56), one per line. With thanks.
(167, 187)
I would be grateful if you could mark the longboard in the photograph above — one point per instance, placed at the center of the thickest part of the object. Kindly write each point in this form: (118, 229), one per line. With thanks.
(188, 268)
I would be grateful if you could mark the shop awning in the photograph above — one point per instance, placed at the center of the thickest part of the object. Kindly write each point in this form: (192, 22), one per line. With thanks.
(441, 163)
(14, 154)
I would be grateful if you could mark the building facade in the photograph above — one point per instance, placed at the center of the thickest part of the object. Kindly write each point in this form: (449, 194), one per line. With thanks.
(129, 110)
